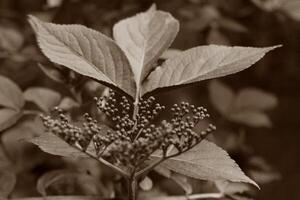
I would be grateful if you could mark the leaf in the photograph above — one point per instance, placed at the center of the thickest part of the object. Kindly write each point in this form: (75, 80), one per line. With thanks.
(232, 25)
(252, 98)
(144, 37)
(4, 160)
(215, 36)
(52, 144)
(252, 118)
(69, 197)
(163, 171)
(292, 8)
(10, 94)
(208, 162)
(85, 51)
(45, 98)
(67, 103)
(146, 184)
(268, 5)
(201, 63)
(20, 152)
(54, 3)
(226, 187)
(7, 183)
(49, 178)
(8, 117)
(169, 53)
(221, 96)
(181, 180)
(52, 73)
(10, 39)
(62, 178)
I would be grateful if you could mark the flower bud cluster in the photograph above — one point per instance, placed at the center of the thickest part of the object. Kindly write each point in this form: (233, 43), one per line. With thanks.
(185, 118)
(132, 140)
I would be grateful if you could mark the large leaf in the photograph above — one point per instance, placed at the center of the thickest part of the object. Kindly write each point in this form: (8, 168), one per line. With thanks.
(10, 94)
(144, 37)
(45, 98)
(201, 63)
(208, 162)
(52, 144)
(85, 51)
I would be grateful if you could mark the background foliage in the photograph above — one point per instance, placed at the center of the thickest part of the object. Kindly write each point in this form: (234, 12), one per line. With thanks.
(256, 119)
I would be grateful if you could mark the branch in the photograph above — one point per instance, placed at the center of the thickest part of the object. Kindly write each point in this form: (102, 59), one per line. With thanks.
(108, 164)
(101, 160)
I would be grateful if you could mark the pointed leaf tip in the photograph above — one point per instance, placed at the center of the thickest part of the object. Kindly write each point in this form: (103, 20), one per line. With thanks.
(202, 63)
(206, 161)
(144, 37)
(152, 8)
(85, 51)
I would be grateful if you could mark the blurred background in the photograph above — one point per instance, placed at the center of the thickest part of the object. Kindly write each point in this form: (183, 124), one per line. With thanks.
(260, 130)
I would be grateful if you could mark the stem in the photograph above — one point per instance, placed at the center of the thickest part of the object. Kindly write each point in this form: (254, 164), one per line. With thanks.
(196, 196)
(31, 112)
(104, 162)
(206, 196)
(136, 103)
(132, 188)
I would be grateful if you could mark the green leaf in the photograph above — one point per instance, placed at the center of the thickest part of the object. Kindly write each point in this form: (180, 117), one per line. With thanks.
(10, 94)
(144, 37)
(208, 162)
(7, 182)
(252, 118)
(8, 117)
(52, 144)
(85, 51)
(201, 63)
(45, 98)
(221, 96)
(252, 98)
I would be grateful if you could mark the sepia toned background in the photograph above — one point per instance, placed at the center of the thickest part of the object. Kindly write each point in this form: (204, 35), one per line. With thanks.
(265, 144)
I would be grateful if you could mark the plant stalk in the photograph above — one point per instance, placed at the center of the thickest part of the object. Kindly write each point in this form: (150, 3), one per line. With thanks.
(132, 188)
